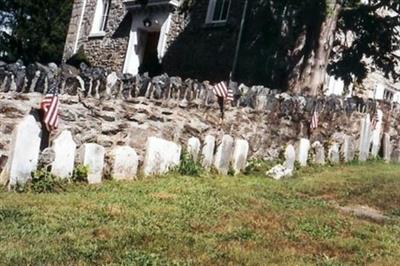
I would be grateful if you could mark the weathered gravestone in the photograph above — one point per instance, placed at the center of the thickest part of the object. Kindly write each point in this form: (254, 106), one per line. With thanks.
(387, 147)
(24, 152)
(125, 163)
(334, 154)
(193, 148)
(208, 151)
(348, 149)
(364, 138)
(224, 155)
(161, 156)
(92, 156)
(376, 134)
(319, 157)
(286, 170)
(302, 155)
(240, 153)
(64, 148)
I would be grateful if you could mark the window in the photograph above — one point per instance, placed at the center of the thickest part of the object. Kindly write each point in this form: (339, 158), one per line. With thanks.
(100, 16)
(218, 11)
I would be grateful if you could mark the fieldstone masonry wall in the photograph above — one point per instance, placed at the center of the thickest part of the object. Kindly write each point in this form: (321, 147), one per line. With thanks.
(134, 110)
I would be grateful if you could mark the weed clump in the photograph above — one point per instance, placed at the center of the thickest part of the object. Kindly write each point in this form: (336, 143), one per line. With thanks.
(188, 166)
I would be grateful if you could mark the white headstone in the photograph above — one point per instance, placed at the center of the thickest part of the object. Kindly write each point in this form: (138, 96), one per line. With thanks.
(64, 149)
(224, 155)
(376, 134)
(240, 154)
(161, 156)
(24, 152)
(302, 155)
(333, 153)
(290, 157)
(193, 148)
(93, 157)
(208, 152)
(364, 138)
(319, 153)
(125, 163)
(112, 80)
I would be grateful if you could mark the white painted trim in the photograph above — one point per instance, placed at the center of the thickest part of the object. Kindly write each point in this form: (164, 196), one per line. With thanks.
(211, 11)
(78, 34)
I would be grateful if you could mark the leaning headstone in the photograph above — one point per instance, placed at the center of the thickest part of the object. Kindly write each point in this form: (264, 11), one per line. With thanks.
(364, 138)
(161, 156)
(193, 148)
(125, 163)
(92, 156)
(111, 85)
(240, 154)
(348, 149)
(376, 134)
(387, 147)
(64, 148)
(333, 153)
(224, 155)
(319, 157)
(208, 151)
(286, 170)
(24, 152)
(302, 155)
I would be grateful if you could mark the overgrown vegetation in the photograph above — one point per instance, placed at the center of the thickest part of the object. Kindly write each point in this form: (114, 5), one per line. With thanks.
(188, 166)
(209, 220)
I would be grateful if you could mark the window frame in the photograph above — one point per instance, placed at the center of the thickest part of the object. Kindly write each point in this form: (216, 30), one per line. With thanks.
(211, 12)
(100, 18)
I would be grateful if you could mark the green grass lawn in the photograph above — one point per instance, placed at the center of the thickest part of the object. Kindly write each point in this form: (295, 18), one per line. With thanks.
(209, 220)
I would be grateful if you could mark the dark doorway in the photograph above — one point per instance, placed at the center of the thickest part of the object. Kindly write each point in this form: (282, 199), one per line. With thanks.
(150, 61)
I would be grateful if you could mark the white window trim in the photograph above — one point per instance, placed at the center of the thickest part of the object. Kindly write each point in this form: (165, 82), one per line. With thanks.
(100, 18)
(211, 10)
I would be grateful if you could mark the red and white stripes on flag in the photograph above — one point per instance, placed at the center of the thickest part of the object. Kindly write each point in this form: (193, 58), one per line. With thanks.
(221, 90)
(49, 105)
(314, 120)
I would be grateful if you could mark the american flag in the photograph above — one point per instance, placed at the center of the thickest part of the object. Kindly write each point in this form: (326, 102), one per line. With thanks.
(49, 105)
(221, 90)
(314, 120)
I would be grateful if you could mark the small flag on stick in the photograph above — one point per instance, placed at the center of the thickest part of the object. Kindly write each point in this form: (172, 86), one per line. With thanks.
(221, 90)
(49, 106)
(314, 120)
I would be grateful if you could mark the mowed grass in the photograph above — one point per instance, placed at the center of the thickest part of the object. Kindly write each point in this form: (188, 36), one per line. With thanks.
(209, 220)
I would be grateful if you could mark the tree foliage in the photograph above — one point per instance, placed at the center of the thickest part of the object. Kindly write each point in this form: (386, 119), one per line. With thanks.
(33, 30)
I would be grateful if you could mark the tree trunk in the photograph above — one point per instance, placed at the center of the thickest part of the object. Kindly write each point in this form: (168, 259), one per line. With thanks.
(309, 79)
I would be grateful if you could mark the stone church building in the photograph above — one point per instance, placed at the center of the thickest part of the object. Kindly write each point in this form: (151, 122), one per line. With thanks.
(137, 36)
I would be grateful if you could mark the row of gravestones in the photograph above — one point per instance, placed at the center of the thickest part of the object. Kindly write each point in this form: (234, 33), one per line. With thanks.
(98, 83)
(160, 156)
(369, 146)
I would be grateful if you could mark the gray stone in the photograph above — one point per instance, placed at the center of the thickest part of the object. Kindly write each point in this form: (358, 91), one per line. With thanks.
(92, 156)
(24, 152)
(376, 134)
(387, 147)
(208, 151)
(240, 153)
(333, 153)
(290, 157)
(112, 82)
(125, 163)
(286, 170)
(364, 138)
(64, 148)
(319, 157)
(224, 155)
(161, 156)
(348, 149)
(193, 148)
(302, 155)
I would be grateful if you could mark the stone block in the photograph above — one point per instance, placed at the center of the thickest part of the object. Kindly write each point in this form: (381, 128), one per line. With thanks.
(376, 134)
(319, 157)
(387, 147)
(224, 154)
(334, 154)
(364, 138)
(125, 163)
(302, 155)
(240, 153)
(208, 152)
(348, 149)
(92, 156)
(24, 153)
(64, 150)
(290, 157)
(161, 156)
